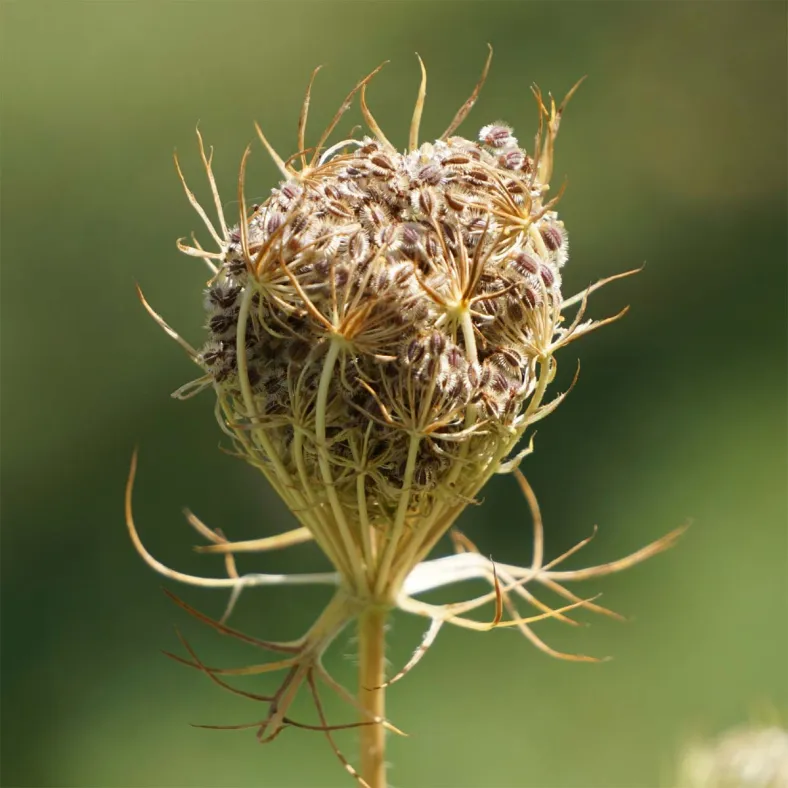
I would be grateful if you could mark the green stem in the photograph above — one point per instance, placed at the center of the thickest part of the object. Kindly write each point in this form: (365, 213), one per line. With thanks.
(371, 676)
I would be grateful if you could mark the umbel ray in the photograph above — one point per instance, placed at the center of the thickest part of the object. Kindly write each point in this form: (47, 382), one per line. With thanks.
(382, 336)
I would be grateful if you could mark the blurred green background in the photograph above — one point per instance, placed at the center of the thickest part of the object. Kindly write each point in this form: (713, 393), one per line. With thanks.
(675, 153)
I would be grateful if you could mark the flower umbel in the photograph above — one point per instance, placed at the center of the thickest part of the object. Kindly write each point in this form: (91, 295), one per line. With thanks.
(382, 333)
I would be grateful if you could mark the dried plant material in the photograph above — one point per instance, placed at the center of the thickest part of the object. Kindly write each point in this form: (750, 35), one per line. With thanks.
(382, 333)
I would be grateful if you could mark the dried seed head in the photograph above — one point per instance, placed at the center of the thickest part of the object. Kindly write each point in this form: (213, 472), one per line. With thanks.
(383, 330)
(395, 308)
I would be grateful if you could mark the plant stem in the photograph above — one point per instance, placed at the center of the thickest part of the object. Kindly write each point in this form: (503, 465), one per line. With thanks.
(372, 673)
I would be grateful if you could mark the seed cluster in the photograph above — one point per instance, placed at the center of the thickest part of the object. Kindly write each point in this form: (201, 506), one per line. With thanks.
(433, 272)
(383, 328)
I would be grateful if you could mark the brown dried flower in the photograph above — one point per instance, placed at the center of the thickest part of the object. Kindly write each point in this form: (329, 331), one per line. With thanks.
(382, 333)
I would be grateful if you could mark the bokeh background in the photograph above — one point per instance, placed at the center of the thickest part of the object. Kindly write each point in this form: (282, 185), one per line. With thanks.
(675, 154)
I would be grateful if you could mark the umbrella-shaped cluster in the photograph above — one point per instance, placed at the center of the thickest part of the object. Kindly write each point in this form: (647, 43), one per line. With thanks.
(382, 333)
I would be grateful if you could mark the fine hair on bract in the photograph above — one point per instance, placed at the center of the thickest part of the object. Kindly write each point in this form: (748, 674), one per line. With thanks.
(382, 333)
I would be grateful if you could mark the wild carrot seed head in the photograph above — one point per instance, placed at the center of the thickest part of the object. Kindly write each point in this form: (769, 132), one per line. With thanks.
(382, 334)
(381, 331)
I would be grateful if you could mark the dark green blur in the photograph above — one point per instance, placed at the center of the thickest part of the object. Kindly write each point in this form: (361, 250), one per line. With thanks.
(675, 154)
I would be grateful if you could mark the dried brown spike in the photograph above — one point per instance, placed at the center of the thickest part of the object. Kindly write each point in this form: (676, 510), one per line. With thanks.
(463, 111)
